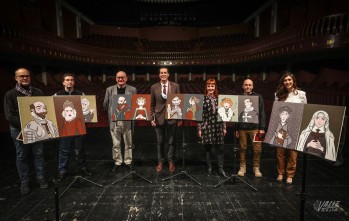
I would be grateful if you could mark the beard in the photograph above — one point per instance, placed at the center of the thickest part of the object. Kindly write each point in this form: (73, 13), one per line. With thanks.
(42, 115)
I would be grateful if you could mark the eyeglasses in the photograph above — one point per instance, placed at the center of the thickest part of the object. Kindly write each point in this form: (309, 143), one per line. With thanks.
(120, 77)
(23, 76)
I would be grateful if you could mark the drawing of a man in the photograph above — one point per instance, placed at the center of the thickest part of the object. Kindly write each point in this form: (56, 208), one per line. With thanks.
(40, 128)
(122, 110)
(175, 112)
(281, 136)
(86, 110)
(249, 115)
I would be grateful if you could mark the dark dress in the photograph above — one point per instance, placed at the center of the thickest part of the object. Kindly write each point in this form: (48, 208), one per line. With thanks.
(212, 130)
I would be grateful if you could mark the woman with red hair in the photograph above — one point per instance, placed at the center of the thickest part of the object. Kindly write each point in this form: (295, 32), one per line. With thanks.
(210, 131)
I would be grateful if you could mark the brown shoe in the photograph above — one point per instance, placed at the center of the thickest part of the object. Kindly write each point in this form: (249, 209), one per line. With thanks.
(171, 167)
(159, 167)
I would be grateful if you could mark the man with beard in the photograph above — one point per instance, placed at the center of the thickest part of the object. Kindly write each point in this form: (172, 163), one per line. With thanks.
(23, 151)
(40, 128)
(119, 129)
(68, 81)
(122, 110)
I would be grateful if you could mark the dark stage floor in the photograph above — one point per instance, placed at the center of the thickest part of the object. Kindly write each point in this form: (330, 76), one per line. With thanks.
(179, 198)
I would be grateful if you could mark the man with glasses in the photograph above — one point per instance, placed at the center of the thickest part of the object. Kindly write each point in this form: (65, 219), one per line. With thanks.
(119, 129)
(23, 151)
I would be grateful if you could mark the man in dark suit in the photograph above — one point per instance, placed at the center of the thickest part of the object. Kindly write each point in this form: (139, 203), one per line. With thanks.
(159, 93)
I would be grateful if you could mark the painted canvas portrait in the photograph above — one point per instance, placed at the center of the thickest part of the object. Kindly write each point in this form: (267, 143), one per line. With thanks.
(121, 104)
(321, 130)
(141, 107)
(38, 119)
(174, 106)
(193, 107)
(69, 115)
(228, 108)
(248, 109)
(285, 121)
(89, 108)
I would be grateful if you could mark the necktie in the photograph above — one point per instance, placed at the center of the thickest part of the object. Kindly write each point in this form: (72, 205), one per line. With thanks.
(164, 90)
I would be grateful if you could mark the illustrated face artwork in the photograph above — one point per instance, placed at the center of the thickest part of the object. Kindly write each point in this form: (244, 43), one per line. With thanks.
(248, 103)
(284, 116)
(85, 104)
(320, 120)
(40, 109)
(141, 102)
(121, 100)
(226, 105)
(69, 113)
(176, 101)
(211, 88)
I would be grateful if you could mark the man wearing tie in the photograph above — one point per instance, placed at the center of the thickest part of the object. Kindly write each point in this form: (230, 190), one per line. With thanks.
(159, 93)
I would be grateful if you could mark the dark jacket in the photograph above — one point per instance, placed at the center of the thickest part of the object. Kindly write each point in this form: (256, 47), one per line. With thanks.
(261, 116)
(74, 92)
(11, 105)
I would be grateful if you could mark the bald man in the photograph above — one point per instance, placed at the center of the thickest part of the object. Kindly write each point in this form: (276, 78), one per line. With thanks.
(119, 129)
(23, 151)
(250, 129)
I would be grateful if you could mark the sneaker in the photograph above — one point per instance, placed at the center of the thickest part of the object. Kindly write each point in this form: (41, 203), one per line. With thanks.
(25, 189)
(84, 172)
(42, 183)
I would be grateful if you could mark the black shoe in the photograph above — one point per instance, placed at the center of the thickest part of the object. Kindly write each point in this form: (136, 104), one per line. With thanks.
(116, 168)
(129, 166)
(43, 184)
(25, 189)
(84, 172)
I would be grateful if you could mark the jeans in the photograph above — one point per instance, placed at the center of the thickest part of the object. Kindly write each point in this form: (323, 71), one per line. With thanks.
(64, 149)
(22, 154)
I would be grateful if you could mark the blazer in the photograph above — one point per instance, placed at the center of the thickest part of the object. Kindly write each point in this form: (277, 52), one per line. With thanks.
(158, 103)
(108, 104)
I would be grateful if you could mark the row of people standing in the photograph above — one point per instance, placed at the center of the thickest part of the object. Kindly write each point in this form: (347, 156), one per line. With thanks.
(11, 109)
(210, 132)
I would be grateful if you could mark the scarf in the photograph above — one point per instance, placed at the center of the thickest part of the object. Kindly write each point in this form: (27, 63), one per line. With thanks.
(24, 90)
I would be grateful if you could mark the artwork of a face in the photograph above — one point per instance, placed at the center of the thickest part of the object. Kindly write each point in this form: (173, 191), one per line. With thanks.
(248, 103)
(176, 101)
(284, 115)
(40, 109)
(121, 100)
(85, 104)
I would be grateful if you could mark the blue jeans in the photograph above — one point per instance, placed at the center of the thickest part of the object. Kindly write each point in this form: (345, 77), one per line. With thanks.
(22, 154)
(64, 149)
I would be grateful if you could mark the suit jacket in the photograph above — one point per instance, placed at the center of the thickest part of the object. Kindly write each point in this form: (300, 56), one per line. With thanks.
(158, 103)
(108, 104)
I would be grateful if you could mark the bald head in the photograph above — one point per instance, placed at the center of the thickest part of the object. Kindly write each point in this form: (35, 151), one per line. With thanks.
(247, 86)
(121, 78)
(22, 76)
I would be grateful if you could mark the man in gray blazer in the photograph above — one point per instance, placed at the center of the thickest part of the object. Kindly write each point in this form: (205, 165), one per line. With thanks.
(119, 129)
(159, 92)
